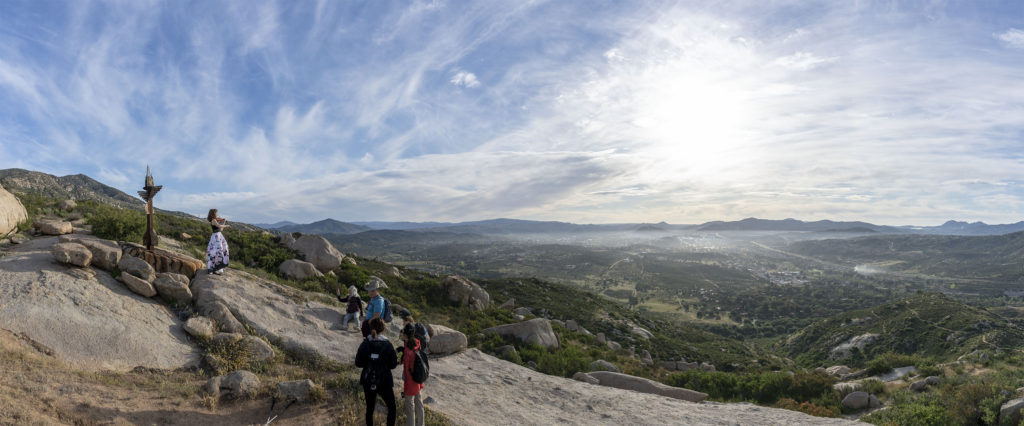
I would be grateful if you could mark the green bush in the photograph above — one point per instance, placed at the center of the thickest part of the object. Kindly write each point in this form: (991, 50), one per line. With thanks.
(872, 386)
(765, 388)
(807, 408)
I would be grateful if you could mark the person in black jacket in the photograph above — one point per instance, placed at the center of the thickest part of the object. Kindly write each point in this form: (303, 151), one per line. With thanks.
(377, 357)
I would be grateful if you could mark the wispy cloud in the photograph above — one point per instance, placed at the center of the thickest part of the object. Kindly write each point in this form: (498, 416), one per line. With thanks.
(1013, 38)
(465, 79)
(624, 112)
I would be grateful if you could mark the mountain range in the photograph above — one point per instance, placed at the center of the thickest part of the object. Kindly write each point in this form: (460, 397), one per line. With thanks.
(82, 187)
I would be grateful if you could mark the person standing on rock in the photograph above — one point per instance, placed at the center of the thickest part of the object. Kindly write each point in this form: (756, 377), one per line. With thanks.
(355, 306)
(375, 309)
(217, 250)
(410, 389)
(377, 357)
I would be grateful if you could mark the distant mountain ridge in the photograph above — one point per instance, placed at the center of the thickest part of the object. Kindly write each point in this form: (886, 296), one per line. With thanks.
(326, 226)
(954, 227)
(755, 224)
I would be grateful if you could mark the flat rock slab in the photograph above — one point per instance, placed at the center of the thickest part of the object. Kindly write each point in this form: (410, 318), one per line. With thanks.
(86, 317)
(528, 397)
(281, 313)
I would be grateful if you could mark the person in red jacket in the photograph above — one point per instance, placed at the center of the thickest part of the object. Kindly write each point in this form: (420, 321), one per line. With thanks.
(410, 389)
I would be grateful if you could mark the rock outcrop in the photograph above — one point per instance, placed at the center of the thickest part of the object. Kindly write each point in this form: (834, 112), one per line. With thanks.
(858, 400)
(318, 251)
(843, 350)
(52, 227)
(303, 329)
(468, 293)
(299, 270)
(105, 254)
(640, 384)
(86, 317)
(173, 288)
(72, 254)
(68, 204)
(1009, 412)
(445, 341)
(137, 267)
(537, 330)
(200, 327)
(11, 212)
(299, 390)
(138, 285)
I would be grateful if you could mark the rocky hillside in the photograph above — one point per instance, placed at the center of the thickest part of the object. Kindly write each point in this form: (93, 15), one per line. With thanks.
(930, 325)
(80, 323)
(73, 187)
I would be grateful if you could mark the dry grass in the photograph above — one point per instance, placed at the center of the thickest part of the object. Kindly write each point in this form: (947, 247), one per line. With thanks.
(38, 389)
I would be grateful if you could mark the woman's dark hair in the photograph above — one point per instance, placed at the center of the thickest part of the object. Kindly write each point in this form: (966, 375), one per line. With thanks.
(409, 331)
(377, 325)
(211, 215)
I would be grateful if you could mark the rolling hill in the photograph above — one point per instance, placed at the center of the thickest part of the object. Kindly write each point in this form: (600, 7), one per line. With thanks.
(926, 324)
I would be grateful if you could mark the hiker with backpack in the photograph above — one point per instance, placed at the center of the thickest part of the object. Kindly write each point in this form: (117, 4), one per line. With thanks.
(377, 357)
(421, 331)
(355, 306)
(415, 369)
(379, 307)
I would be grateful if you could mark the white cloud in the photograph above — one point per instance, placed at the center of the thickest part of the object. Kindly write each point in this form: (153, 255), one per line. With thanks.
(803, 61)
(1013, 38)
(465, 79)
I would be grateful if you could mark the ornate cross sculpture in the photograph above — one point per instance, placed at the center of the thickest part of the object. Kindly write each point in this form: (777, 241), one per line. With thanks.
(149, 239)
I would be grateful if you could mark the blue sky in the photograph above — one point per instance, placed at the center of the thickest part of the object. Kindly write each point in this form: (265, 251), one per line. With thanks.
(584, 111)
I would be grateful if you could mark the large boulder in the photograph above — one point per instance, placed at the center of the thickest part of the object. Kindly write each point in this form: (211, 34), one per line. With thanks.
(299, 390)
(240, 384)
(858, 400)
(586, 378)
(318, 251)
(640, 384)
(444, 341)
(919, 386)
(11, 212)
(299, 270)
(645, 358)
(537, 330)
(71, 253)
(53, 227)
(105, 254)
(220, 313)
(1009, 413)
(838, 370)
(173, 288)
(68, 204)
(200, 327)
(468, 293)
(844, 350)
(137, 267)
(641, 332)
(138, 285)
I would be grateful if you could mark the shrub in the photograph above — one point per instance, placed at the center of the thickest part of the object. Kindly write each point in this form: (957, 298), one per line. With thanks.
(807, 408)
(873, 386)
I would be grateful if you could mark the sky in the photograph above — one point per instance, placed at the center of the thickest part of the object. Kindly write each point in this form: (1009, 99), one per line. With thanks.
(899, 113)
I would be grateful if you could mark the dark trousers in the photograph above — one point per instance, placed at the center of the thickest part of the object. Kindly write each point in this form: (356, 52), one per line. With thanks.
(385, 393)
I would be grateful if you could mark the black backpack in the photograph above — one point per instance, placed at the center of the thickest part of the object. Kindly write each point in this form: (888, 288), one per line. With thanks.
(421, 335)
(420, 367)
